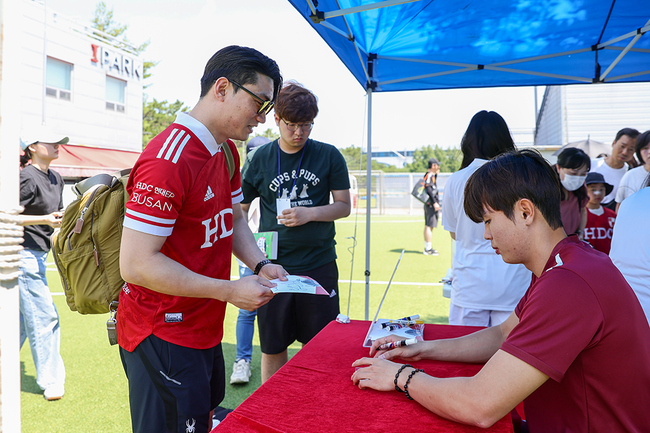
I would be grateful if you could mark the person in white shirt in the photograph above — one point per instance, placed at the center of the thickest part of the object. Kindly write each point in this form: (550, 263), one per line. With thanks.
(634, 179)
(485, 289)
(631, 244)
(614, 166)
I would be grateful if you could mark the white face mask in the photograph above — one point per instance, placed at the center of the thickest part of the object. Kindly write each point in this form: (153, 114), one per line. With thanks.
(571, 183)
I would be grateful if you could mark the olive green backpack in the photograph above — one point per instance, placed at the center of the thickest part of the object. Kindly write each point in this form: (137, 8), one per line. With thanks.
(86, 249)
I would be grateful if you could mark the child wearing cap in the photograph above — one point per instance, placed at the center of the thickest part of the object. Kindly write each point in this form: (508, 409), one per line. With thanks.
(600, 220)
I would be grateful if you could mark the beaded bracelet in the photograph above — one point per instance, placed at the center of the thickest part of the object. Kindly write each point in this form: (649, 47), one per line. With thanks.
(406, 385)
(260, 265)
(397, 375)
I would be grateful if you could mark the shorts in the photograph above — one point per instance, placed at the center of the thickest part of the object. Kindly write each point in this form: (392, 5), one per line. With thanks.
(430, 216)
(173, 388)
(296, 316)
(470, 317)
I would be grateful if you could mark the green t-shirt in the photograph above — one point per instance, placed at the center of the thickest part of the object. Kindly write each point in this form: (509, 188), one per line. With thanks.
(322, 170)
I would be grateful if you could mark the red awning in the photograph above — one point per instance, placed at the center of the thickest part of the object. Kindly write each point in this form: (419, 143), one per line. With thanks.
(83, 161)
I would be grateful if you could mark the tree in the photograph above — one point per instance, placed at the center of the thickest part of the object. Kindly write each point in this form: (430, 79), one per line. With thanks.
(450, 159)
(270, 134)
(103, 21)
(158, 115)
(356, 160)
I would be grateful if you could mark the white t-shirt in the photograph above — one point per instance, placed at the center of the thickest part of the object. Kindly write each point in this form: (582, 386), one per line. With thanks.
(631, 245)
(632, 182)
(612, 176)
(481, 279)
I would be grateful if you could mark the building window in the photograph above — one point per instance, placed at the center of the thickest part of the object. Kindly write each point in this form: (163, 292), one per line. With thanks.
(115, 91)
(58, 79)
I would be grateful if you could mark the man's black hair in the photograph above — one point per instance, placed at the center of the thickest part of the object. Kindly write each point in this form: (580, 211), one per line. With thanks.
(432, 162)
(241, 64)
(630, 132)
(500, 183)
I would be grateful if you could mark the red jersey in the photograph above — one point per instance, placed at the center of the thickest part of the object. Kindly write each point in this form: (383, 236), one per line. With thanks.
(581, 324)
(180, 189)
(599, 229)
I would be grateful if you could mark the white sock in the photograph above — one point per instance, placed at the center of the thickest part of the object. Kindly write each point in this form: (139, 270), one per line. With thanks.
(427, 246)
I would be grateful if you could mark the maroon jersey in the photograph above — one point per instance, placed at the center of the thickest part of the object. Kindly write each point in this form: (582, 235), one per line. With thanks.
(180, 188)
(599, 229)
(581, 324)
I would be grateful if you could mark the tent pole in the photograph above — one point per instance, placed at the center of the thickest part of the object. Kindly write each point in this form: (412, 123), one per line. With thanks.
(368, 199)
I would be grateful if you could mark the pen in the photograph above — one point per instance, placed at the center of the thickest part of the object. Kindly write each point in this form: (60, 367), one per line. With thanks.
(395, 344)
(407, 322)
(417, 316)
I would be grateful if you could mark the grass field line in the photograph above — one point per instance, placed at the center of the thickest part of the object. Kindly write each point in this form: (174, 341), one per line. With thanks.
(394, 283)
(379, 222)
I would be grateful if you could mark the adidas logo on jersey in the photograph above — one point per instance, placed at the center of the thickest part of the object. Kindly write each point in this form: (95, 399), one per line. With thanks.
(209, 194)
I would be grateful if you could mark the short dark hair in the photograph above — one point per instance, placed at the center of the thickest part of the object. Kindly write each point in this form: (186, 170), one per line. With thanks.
(432, 162)
(296, 103)
(573, 158)
(500, 183)
(486, 137)
(241, 64)
(630, 132)
(641, 141)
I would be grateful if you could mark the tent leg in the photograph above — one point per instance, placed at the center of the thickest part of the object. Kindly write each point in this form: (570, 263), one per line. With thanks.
(368, 199)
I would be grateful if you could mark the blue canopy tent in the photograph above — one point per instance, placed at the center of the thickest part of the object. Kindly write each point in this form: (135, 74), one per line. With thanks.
(398, 45)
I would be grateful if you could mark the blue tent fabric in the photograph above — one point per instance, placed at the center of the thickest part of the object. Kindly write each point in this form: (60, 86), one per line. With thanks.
(429, 44)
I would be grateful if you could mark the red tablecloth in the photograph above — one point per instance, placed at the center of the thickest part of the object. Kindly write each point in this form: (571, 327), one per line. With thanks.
(313, 391)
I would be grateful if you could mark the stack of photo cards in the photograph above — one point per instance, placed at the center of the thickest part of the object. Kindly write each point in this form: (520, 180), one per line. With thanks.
(300, 284)
(379, 330)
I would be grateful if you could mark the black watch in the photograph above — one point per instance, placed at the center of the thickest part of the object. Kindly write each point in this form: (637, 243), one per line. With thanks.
(260, 265)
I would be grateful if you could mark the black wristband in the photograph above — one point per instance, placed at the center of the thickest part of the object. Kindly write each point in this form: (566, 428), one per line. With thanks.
(260, 265)
(397, 375)
(406, 385)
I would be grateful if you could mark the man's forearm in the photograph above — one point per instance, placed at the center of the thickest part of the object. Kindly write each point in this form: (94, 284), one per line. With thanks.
(479, 346)
(331, 212)
(142, 263)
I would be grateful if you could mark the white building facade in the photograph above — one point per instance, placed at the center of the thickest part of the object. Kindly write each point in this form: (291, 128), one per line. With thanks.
(78, 82)
(596, 111)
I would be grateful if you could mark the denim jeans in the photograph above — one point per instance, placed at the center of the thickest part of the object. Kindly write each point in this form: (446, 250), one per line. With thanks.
(39, 320)
(245, 326)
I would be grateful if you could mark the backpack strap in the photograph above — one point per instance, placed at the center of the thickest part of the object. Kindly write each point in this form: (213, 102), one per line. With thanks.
(82, 186)
(230, 160)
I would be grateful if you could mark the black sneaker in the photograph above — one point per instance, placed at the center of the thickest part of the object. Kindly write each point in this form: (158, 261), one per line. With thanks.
(430, 252)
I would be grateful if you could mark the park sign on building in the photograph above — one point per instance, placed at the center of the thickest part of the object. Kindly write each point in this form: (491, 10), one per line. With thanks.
(81, 83)
(116, 62)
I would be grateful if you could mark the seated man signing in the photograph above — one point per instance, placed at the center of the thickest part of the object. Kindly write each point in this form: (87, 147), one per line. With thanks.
(577, 346)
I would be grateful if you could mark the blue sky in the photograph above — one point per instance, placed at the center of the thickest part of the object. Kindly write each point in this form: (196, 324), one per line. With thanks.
(185, 33)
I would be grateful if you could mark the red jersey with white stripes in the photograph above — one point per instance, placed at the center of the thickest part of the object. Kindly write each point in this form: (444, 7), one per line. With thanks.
(180, 189)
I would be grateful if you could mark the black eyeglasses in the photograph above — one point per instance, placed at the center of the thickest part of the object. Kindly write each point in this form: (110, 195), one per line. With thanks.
(293, 126)
(265, 106)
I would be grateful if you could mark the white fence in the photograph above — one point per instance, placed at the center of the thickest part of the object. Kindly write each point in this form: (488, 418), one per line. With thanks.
(391, 192)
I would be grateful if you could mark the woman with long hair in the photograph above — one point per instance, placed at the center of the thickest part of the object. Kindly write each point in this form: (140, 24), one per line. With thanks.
(41, 194)
(572, 167)
(485, 289)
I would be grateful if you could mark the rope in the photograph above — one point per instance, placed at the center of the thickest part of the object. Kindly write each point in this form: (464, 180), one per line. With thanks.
(11, 238)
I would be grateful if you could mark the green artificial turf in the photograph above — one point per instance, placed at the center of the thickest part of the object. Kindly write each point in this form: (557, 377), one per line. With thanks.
(96, 397)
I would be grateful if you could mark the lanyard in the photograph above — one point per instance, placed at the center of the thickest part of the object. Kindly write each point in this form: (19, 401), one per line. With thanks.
(299, 164)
